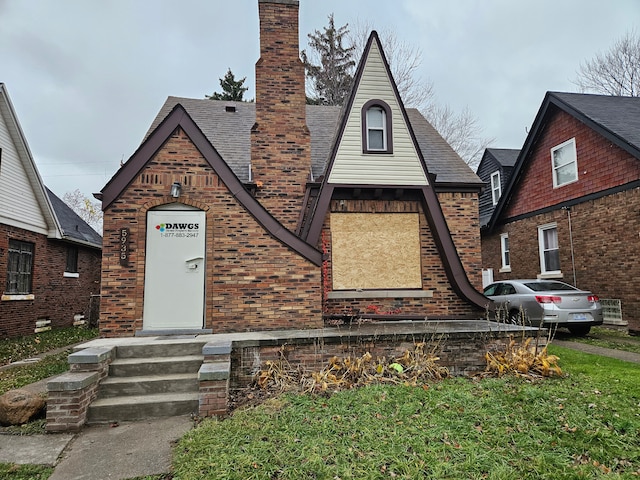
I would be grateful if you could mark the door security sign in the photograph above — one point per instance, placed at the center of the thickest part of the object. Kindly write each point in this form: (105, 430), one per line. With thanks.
(178, 230)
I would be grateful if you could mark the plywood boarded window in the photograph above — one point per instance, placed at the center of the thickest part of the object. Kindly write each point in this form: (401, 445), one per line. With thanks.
(375, 251)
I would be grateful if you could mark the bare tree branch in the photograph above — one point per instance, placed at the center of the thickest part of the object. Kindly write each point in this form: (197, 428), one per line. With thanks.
(614, 72)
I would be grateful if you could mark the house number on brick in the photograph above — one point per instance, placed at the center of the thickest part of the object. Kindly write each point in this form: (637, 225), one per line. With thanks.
(124, 247)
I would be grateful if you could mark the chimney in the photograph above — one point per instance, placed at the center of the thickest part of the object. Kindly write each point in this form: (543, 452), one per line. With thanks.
(280, 140)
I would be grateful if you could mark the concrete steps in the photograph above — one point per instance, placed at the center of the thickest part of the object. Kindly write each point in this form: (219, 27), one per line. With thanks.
(155, 379)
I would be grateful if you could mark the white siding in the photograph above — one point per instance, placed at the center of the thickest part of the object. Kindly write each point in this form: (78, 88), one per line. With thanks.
(18, 203)
(351, 166)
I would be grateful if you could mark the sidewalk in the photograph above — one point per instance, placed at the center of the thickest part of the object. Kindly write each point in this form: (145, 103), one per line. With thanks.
(129, 450)
(605, 352)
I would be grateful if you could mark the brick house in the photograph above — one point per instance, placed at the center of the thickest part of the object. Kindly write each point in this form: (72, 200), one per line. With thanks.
(50, 258)
(277, 214)
(570, 209)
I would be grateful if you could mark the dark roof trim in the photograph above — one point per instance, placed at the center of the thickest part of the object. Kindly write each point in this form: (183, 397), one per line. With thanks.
(318, 215)
(435, 217)
(179, 118)
(551, 101)
(573, 202)
(448, 253)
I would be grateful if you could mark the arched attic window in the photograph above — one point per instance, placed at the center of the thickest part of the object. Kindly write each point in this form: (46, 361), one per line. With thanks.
(376, 127)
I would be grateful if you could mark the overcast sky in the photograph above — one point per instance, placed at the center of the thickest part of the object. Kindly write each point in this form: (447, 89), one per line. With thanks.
(87, 77)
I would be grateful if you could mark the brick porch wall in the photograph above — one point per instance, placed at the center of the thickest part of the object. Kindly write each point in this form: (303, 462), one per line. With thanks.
(57, 298)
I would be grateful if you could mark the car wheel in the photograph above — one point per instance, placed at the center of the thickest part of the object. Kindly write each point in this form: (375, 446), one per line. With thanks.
(515, 318)
(580, 330)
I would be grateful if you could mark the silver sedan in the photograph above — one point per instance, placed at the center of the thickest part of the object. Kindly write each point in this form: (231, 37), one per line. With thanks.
(546, 303)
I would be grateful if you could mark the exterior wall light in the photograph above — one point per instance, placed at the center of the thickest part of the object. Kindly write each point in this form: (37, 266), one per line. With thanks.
(176, 189)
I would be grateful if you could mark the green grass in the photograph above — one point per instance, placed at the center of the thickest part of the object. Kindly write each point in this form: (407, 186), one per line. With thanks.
(610, 338)
(17, 377)
(20, 348)
(585, 425)
(10, 471)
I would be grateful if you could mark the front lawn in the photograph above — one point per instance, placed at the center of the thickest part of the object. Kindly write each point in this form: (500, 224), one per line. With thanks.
(585, 425)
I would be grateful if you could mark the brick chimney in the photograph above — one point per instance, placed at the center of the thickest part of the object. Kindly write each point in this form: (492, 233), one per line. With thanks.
(280, 140)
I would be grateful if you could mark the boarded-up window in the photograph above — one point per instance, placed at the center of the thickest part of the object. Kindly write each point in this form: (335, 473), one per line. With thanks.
(375, 251)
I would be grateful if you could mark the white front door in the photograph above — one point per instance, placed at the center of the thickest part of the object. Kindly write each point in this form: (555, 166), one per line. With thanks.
(174, 270)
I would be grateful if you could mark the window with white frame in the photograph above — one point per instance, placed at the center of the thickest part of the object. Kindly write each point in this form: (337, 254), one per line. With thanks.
(564, 163)
(505, 253)
(376, 127)
(496, 188)
(549, 250)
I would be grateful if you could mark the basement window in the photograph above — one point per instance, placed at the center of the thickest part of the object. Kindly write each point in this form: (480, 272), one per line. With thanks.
(376, 127)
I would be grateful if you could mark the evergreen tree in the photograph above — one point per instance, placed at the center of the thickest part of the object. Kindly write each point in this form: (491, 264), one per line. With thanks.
(232, 89)
(330, 66)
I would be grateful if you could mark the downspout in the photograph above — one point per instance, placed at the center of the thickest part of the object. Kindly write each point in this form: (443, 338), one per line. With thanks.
(573, 260)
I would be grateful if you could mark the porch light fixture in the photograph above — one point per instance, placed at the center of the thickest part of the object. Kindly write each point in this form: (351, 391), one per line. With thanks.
(176, 189)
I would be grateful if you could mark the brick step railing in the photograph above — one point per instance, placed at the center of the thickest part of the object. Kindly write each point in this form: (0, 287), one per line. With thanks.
(135, 382)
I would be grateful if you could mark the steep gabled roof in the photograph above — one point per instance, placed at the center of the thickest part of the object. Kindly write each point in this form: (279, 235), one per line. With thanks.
(506, 157)
(179, 118)
(74, 229)
(615, 118)
(435, 217)
(32, 182)
(227, 126)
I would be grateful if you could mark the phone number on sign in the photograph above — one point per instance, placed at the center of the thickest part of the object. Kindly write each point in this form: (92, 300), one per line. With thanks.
(179, 234)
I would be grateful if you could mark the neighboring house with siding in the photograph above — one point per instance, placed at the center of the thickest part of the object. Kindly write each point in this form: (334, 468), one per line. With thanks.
(49, 257)
(495, 171)
(277, 214)
(571, 208)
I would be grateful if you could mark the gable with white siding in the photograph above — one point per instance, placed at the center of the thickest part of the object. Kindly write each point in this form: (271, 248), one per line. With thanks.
(23, 201)
(353, 167)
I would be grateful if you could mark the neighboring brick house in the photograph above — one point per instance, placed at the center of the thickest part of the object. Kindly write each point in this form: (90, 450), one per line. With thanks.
(49, 257)
(571, 208)
(239, 216)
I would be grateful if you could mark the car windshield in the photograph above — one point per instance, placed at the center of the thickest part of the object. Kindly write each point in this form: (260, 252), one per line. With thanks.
(548, 286)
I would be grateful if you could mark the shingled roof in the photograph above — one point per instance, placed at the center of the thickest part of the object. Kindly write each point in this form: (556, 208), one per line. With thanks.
(227, 125)
(74, 229)
(615, 118)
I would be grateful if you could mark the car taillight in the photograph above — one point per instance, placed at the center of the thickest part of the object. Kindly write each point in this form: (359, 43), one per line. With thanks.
(593, 298)
(548, 299)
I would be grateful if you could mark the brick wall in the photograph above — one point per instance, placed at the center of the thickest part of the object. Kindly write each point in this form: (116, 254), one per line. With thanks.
(605, 231)
(606, 242)
(280, 139)
(601, 165)
(461, 213)
(253, 282)
(56, 298)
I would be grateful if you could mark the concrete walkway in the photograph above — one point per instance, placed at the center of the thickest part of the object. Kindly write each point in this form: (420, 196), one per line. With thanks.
(605, 352)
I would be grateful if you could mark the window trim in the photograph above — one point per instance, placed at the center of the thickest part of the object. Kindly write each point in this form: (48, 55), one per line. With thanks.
(71, 267)
(544, 273)
(506, 266)
(495, 187)
(571, 141)
(387, 128)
